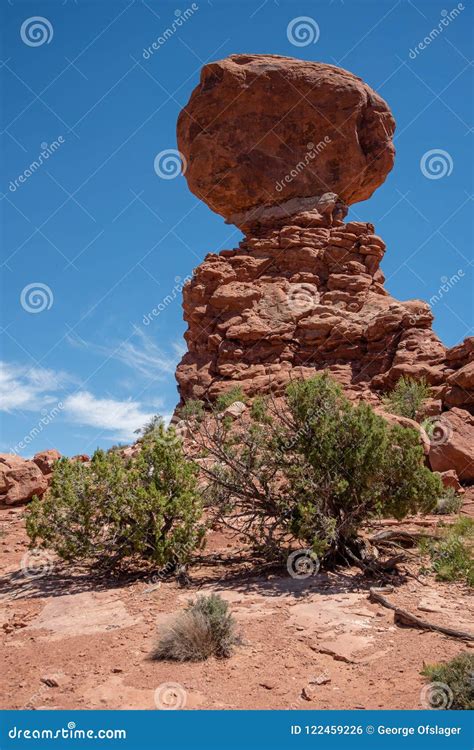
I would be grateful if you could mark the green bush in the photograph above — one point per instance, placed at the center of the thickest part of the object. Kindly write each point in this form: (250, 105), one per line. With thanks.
(315, 470)
(229, 398)
(407, 397)
(458, 675)
(112, 514)
(205, 628)
(451, 556)
(450, 502)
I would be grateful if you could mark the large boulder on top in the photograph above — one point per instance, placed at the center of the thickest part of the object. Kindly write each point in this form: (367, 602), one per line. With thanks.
(20, 479)
(266, 130)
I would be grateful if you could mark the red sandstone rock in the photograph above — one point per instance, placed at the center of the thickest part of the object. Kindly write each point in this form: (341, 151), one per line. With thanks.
(45, 460)
(20, 479)
(452, 448)
(450, 479)
(277, 132)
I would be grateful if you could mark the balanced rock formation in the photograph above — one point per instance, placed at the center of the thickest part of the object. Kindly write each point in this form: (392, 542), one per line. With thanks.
(264, 134)
(304, 291)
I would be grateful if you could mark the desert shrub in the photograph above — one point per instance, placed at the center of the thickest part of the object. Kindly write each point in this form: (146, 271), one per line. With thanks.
(111, 513)
(458, 675)
(314, 469)
(407, 397)
(449, 502)
(205, 628)
(229, 398)
(451, 556)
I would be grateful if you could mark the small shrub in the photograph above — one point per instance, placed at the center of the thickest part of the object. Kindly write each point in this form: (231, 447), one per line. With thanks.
(407, 398)
(314, 468)
(449, 503)
(458, 675)
(115, 513)
(205, 628)
(451, 557)
(227, 399)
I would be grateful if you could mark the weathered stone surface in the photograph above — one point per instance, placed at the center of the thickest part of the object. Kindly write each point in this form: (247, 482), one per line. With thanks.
(454, 447)
(277, 132)
(451, 479)
(45, 460)
(20, 479)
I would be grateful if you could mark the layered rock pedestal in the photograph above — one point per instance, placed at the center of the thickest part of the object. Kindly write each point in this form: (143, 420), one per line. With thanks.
(304, 291)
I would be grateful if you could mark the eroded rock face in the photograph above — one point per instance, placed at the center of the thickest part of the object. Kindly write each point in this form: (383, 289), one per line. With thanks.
(20, 479)
(299, 299)
(304, 291)
(264, 133)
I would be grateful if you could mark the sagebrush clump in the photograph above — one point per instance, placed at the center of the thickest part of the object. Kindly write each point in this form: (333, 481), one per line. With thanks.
(458, 675)
(451, 557)
(113, 513)
(205, 628)
(312, 468)
(407, 397)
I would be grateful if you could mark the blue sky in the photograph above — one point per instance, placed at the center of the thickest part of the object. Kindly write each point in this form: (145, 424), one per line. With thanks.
(94, 239)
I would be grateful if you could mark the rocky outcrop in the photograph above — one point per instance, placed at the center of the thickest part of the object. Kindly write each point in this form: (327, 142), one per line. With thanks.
(304, 291)
(20, 479)
(265, 136)
(305, 297)
(45, 460)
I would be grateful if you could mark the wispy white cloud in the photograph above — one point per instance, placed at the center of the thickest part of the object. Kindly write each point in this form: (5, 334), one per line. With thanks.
(139, 352)
(29, 388)
(106, 414)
